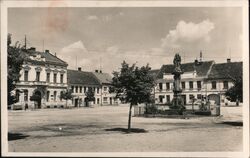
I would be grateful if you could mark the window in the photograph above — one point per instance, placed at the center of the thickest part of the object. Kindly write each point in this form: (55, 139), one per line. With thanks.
(17, 95)
(80, 88)
(93, 89)
(61, 78)
(48, 77)
(84, 89)
(191, 86)
(98, 101)
(199, 96)
(61, 93)
(199, 85)
(225, 84)
(97, 90)
(26, 75)
(168, 98)
(183, 85)
(213, 84)
(167, 86)
(191, 96)
(161, 98)
(72, 88)
(94, 100)
(55, 78)
(105, 99)
(76, 89)
(105, 88)
(47, 96)
(160, 86)
(38, 76)
(54, 95)
(26, 95)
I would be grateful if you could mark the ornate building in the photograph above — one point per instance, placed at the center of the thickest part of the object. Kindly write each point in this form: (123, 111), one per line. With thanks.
(43, 76)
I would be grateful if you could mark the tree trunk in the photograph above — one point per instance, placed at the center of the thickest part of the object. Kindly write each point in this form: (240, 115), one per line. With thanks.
(129, 117)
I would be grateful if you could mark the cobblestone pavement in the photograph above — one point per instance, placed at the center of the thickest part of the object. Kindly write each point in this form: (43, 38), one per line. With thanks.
(101, 129)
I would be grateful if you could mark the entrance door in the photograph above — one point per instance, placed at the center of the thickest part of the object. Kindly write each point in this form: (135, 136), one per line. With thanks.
(110, 100)
(76, 102)
(39, 98)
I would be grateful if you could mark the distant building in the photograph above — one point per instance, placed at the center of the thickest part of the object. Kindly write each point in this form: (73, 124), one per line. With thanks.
(199, 80)
(80, 81)
(43, 75)
(105, 80)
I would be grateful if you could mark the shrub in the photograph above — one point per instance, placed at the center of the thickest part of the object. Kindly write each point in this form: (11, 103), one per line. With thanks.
(151, 109)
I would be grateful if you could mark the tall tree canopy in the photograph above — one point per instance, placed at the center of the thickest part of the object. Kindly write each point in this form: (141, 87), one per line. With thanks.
(235, 93)
(133, 85)
(15, 62)
(66, 95)
(90, 96)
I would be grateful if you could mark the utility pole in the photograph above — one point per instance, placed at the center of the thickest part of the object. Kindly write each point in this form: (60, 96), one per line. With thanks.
(43, 45)
(25, 42)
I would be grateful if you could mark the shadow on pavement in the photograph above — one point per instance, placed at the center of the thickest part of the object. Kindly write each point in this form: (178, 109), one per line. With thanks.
(16, 136)
(233, 123)
(125, 130)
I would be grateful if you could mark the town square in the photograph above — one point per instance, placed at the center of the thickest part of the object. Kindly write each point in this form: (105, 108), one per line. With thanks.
(121, 78)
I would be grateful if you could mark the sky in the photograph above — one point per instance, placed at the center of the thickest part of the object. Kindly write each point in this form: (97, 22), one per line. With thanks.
(101, 38)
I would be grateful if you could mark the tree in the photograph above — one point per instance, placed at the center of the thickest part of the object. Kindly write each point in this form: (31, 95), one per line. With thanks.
(90, 96)
(15, 62)
(235, 93)
(133, 85)
(66, 95)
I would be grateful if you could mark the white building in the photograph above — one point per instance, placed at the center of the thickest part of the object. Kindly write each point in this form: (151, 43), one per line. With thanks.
(199, 80)
(80, 81)
(43, 75)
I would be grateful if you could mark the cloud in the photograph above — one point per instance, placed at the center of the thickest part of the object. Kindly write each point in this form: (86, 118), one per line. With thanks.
(188, 32)
(92, 17)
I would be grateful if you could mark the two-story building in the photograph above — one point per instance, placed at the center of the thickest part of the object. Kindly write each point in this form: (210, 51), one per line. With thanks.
(43, 75)
(199, 80)
(105, 80)
(80, 81)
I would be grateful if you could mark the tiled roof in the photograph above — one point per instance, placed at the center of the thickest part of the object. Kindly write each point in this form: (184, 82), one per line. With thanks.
(82, 77)
(154, 72)
(201, 69)
(104, 78)
(49, 58)
(226, 70)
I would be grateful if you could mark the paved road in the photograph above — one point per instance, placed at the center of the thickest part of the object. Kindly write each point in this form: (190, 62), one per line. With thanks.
(100, 129)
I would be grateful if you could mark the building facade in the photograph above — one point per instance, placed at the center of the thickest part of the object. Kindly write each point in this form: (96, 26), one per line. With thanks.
(200, 79)
(43, 76)
(81, 81)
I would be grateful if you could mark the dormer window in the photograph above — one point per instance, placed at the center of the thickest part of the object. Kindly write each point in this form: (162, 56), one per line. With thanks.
(38, 76)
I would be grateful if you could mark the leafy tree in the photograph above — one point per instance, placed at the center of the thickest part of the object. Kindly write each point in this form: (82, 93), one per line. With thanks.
(90, 96)
(15, 62)
(66, 95)
(133, 85)
(235, 93)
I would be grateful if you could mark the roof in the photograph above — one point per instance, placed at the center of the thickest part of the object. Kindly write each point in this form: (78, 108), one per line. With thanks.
(104, 78)
(154, 72)
(226, 70)
(202, 68)
(49, 58)
(82, 77)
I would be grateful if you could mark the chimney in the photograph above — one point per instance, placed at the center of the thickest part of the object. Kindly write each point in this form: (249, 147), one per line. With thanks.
(46, 51)
(96, 71)
(79, 69)
(55, 54)
(228, 60)
(33, 48)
